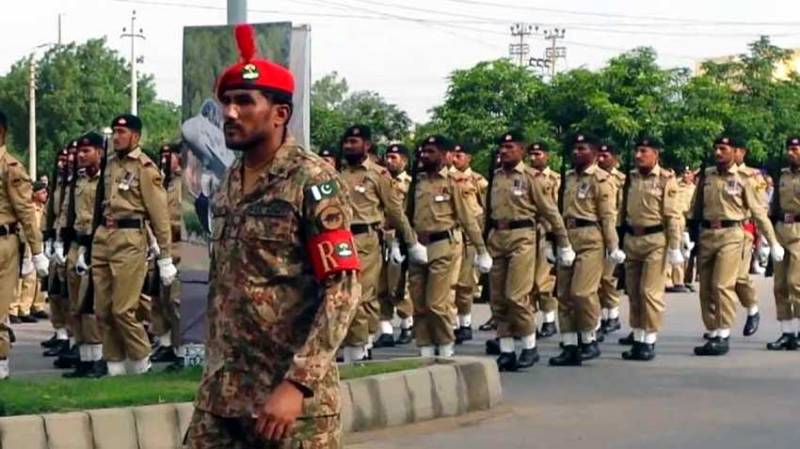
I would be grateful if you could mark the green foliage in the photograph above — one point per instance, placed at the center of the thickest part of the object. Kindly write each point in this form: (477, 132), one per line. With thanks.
(79, 88)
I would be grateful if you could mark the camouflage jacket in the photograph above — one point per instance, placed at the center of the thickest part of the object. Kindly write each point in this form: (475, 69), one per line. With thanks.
(283, 289)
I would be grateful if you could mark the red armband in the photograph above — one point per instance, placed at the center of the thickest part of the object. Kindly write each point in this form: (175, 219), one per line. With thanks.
(749, 228)
(332, 252)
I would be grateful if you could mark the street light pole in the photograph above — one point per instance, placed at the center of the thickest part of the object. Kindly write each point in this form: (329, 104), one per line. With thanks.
(133, 35)
(32, 118)
(237, 11)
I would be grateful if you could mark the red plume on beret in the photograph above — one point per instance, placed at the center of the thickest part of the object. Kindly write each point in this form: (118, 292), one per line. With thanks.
(252, 72)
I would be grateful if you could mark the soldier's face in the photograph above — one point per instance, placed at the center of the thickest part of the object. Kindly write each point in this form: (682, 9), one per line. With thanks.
(461, 160)
(329, 160)
(355, 146)
(124, 139)
(583, 154)
(510, 153)
(40, 196)
(793, 155)
(174, 162)
(738, 155)
(646, 158)
(724, 154)
(88, 156)
(431, 157)
(539, 159)
(688, 177)
(606, 160)
(250, 118)
(395, 163)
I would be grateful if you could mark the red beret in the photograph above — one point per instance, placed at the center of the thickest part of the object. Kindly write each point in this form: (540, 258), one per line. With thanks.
(253, 73)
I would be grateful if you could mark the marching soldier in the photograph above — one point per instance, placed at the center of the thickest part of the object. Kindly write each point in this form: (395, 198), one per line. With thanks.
(283, 284)
(726, 196)
(610, 296)
(745, 289)
(544, 282)
(676, 274)
(330, 156)
(652, 228)
(133, 193)
(30, 298)
(519, 196)
(392, 295)
(167, 307)
(80, 207)
(374, 200)
(786, 213)
(590, 217)
(467, 281)
(16, 214)
(440, 205)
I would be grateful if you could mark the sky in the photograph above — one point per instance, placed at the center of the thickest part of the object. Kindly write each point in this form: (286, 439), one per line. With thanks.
(405, 49)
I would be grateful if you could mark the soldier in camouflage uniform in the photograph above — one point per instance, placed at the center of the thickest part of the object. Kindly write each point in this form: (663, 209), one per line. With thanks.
(283, 285)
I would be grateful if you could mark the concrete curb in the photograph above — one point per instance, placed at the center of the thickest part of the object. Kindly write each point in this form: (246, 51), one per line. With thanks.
(447, 387)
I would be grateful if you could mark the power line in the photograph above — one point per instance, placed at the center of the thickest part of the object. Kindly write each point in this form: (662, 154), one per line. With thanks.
(521, 49)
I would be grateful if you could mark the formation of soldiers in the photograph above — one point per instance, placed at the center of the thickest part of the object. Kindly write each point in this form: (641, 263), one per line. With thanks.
(104, 248)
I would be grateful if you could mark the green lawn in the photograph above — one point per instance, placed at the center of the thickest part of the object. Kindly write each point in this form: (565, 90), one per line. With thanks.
(48, 394)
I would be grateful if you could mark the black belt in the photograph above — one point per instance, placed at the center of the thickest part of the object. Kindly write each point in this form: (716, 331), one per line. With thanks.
(643, 230)
(720, 224)
(789, 218)
(122, 223)
(362, 228)
(8, 229)
(85, 240)
(433, 237)
(572, 223)
(502, 225)
(67, 234)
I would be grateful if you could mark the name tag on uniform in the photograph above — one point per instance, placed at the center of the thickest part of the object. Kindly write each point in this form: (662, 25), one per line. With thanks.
(361, 189)
(518, 188)
(732, 187)
(583, 191)
(441, 198)
(517, 192)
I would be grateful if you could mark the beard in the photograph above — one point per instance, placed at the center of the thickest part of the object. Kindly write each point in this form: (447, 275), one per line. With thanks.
(247, 143)
(353, 158)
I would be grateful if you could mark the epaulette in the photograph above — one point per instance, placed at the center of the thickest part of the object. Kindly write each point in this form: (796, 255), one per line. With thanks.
(785, 170)
(601, 175)
(667, 174)
(711, 170)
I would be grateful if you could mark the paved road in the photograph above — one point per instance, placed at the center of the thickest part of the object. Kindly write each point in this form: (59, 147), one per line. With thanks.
(746, 400)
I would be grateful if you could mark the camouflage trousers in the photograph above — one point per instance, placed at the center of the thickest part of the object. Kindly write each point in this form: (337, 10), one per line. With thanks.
(209, 431)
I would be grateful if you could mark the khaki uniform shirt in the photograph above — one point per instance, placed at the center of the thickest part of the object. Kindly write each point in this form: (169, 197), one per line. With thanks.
(441, 203)
(174, 203)
(591, 195)
(269, 317)
(55, 203)
(732, 195)
(85, 192)
(402, 182)
(525, 193)
(552, 179)
(134, 189)
(618, 179)
(653, 199)
(789, 185)
(16, 205)
(481, 185)
(374, 196)
(686, 193)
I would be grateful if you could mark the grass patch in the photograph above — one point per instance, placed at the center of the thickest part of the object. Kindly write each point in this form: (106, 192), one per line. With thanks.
(50, 395)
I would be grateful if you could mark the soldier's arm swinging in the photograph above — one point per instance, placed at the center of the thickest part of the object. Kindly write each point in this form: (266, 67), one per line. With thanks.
(393, 208)
(466, 218)
(155, 201)
(548, 209)
(607, 214)
(758, 208)
(672, 214)
(20, 192)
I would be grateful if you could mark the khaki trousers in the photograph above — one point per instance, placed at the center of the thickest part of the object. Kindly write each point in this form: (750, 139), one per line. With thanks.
(544, 282)
(59, 304)
(366, 318)
(387, 293)
(579, 305)
(610, 296)
(467, 281)
(118, 271)
(745, 289)
(29, 297)
(9, 277)
(430, 291)
(787, 273)
(84, 325)
(514, 254)
(718, 264)
(644, 280)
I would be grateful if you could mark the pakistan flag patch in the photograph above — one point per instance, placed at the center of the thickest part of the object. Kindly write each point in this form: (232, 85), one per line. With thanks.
(325, 190)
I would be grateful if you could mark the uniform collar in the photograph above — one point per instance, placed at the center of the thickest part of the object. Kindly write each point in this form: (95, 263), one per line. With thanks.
(284, 157)
(590, 170)
(656, 171)
(3, 150)
(468, 171)
(519, 168)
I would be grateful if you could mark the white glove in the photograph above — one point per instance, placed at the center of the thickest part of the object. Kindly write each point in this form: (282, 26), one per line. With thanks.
(616, 256)
(153, 251)
(395, 256)
(167, 271)
(675, 257)
(81, 267)
(687, 245)
(763, 252)
(549, 254)
(48, 249)
(418, 254)
(566, 256)
(777, 252)
(484, 262)
(42, 264)
(27, 267)
(58, 252)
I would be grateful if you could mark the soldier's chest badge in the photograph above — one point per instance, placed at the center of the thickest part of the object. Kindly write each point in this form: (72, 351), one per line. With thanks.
(127, 182)
(518, 188)
(442, 196)
(733, 187)
(583, 190)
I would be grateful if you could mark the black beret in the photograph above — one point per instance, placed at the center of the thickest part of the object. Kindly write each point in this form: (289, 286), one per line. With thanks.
(513, 135)
(607, 148)
(361, 131)
(39, 185)
(463, 148)
(3, 120)
(538, 146)
(439, 141)
(581, 137)
(792, 141)
(91, 139)
(328, 152)
(129, 121)
(73, 145)
(729, 139)
(649, 141)
(397, 148)
(170, 148)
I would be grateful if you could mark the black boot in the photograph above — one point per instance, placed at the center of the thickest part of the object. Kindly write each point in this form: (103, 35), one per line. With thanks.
(463, 334)
(405, 337)
(489, 325)
(82, 369)
(633, 353)
(548, 330)
(384, 341)
(706, 336)
(640, 351)
(590, 351)
(12, 337)
(751, 326)
(528, 358)
(787, 342)
(27, 319)
(40, 315)
(570, 356)
(58, 347)
(507, 362)
(612, 325)
(175, 366)
(717, 346)
(97, 370)
(50, 342)
(13, 319)
(493, 346)
(626, 341)
(68, 359)
(163, 354)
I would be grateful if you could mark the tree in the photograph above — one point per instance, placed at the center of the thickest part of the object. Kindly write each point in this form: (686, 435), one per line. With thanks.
(80, 88)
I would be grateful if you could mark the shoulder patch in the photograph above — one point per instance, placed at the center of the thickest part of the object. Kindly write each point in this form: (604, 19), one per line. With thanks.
(323, 190)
